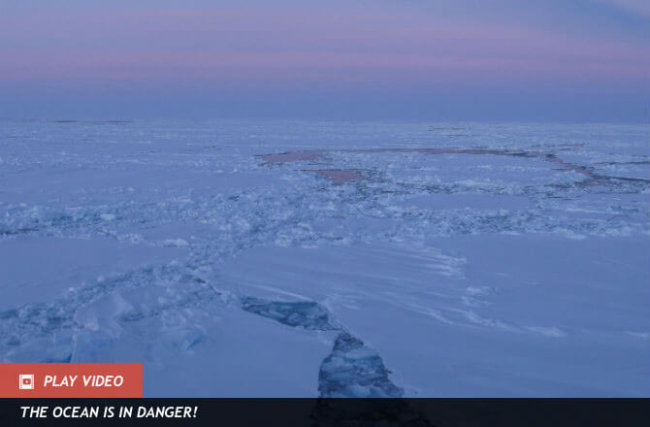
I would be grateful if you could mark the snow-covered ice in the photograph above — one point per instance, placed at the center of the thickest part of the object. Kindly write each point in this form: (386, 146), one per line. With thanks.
(277, 258)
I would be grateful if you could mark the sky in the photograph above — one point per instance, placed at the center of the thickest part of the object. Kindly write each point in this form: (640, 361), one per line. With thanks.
(548, 60)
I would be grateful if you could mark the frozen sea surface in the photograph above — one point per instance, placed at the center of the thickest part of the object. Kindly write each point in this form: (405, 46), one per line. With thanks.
(329, 258)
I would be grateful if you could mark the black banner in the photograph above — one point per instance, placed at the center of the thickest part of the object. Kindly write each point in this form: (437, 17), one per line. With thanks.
(327, 412)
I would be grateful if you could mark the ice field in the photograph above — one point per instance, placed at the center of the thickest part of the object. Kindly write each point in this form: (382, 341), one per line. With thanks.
(287, 258)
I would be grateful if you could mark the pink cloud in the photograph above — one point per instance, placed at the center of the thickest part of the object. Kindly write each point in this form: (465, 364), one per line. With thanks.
(271, 45)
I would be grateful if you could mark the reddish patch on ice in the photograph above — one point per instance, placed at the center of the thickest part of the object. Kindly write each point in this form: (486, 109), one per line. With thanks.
(343, 175)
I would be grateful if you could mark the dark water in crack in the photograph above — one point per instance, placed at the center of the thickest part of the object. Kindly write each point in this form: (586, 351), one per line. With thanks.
(305, 314)
(351, 370)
